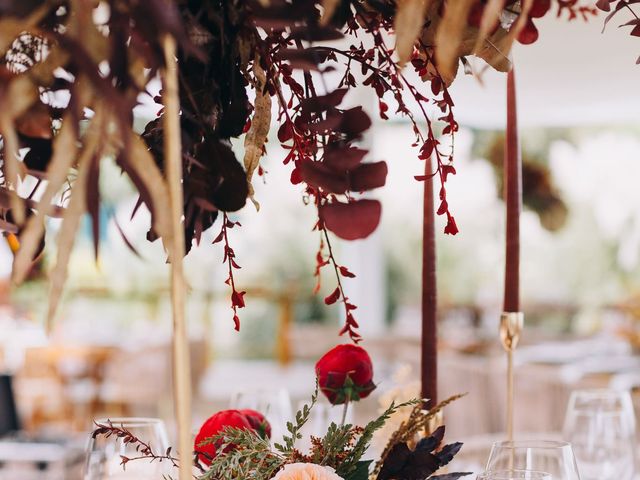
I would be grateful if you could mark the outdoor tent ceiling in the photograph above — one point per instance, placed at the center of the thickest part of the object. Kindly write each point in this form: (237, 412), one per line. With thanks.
(573, 75)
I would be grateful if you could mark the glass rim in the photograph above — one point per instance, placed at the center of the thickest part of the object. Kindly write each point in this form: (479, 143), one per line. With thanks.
(506, 472)
(130, 422)
(600, 392)
(539, 444)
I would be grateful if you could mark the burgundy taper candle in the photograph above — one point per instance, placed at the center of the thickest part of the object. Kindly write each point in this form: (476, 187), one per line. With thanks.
(513, 200)
(429, 358)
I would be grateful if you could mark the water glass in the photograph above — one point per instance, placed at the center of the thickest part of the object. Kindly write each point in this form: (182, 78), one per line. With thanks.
(600, 424)
(554, 458)
(104, 454)
(514, 475)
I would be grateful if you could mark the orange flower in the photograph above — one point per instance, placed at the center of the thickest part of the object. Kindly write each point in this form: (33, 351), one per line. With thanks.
(306, 471)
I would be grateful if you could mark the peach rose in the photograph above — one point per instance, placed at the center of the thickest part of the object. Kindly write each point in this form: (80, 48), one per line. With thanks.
(306, 471)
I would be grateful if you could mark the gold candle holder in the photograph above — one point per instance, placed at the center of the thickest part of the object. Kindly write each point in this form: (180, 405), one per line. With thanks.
(511, 324)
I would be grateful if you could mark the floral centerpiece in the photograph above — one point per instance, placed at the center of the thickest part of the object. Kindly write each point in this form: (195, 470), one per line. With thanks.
(235, 444)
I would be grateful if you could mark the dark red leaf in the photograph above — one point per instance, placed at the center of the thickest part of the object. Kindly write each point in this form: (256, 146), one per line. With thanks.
(296, 176)
(333, 297)
(446, 171)
(368, 176)
(306, 59)
(237, 299)
(451, 228)
(323, 102)
(354, 122)
(444, 207)
(344, 271)
(285, 132)
(604, 5)
(315, 33)
(318, 175)
(342, 157)
(352, 221)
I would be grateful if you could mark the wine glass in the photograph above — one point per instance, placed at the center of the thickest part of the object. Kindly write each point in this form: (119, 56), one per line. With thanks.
(514, 475)
(275, 405)
(105, 454)
(554, 458)
(600, 424)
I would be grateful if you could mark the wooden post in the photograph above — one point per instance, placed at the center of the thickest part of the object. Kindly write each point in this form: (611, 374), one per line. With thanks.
(173, 161)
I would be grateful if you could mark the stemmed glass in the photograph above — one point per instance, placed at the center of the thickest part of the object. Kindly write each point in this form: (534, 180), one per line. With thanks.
(600, 424)
(514, 475)
(275, 405)
(554, 458)
(104, 454)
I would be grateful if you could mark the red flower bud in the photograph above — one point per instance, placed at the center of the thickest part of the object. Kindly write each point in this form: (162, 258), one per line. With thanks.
(345, 373)
(258, 422)
(212, 427)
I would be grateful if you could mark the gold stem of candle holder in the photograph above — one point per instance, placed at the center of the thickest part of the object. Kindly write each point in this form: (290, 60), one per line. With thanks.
(511, 324)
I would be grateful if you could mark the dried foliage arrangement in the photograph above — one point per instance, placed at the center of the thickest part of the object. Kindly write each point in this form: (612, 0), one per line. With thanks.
(72, 71)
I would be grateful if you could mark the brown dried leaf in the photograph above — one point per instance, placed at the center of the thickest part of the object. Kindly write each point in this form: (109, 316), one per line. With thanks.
(73, 214)
(329, 7)
(35, 122)
(490, 19)
(408, 24)
(450, 36)
(11, 167)
(496, 50)
(148, 172)
(64, 153)
(260, 123)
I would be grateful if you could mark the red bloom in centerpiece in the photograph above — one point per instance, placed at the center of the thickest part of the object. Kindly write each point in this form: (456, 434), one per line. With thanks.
(215, 425)
(345, 373)
(258, 422)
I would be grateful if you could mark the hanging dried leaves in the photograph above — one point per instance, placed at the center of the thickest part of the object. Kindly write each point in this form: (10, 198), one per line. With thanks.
(74, 212)
(408, 25)
(64, 155)
(329, 7)
(57, 61)
(256, 137)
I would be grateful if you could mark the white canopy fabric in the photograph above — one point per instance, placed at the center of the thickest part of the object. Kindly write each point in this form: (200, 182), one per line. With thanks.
(573, 75)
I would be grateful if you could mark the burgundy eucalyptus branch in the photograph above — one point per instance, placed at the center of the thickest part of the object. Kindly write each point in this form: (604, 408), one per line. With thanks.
(237, 297)
(144, 449)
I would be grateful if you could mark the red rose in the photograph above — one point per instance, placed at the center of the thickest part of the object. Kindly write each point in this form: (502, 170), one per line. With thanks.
(345, 373)
(258, 422)
(212, 427)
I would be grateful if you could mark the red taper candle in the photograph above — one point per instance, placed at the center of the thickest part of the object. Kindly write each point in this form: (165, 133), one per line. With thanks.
(513, 200)
(429, 358)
